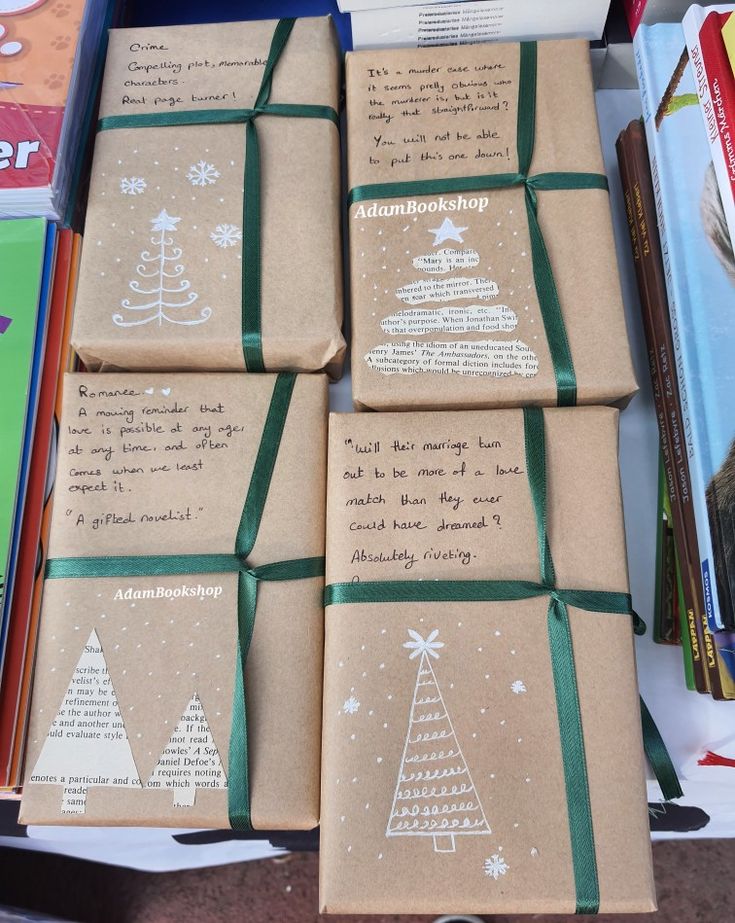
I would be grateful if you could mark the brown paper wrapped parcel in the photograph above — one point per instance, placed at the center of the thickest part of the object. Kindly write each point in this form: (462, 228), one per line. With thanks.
(445, 312)
(443, 787)
(133, 694)
(161, 276)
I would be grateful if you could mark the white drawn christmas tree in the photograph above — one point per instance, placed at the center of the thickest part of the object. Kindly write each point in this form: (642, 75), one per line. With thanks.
(166, 295)
(87, 744)
(190, 759)
(435, 795)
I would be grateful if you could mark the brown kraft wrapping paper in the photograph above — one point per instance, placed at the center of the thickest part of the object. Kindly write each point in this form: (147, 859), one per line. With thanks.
(171, 198)
(394, 479)
(444, 307)
(151, 748)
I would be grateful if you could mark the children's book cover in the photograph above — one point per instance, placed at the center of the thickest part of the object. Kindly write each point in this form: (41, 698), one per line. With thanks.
(38, 42)
(700, 280)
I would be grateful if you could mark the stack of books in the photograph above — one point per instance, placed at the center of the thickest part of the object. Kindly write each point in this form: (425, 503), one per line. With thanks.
(677, 167)
(39, 280)
(51, 60)
(50, 65)
(416, 23)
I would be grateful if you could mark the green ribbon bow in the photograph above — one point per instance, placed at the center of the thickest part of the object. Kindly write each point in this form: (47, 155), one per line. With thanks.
(160, 565)
(252, 340)
(574, 762)
(548, 298)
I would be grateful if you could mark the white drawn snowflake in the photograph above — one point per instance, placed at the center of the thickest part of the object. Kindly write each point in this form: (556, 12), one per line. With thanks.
(202, 174)
(495, 866)
(351, 706)
(226, 235)
(423, 645)
(132, 185)
(518, 686)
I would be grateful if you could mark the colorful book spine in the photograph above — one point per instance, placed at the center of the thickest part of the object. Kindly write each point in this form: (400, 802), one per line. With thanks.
(649, 268)
(28, 554)
(716, 91)
(634, 10)
(700, 282)
(69, 363)
(689, 647)
(640, 207)
(21, 249)
(30, 407)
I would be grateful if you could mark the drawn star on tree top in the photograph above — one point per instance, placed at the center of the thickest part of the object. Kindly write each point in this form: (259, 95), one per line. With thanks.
(423, 645)
(164, 222)
(447, 231)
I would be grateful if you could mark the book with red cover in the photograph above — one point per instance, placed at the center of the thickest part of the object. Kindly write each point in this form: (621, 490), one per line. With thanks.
(716, 91)
(634, 10)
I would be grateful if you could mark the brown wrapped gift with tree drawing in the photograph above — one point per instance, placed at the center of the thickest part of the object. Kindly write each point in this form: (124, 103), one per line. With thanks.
(482, 736)
(188, 509)
(212, 236)
(482, 258)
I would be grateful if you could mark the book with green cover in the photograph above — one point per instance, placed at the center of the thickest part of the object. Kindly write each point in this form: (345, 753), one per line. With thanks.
(22, 250)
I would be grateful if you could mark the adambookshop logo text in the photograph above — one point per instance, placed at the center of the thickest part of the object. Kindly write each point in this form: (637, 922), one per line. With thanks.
(422, 206)
(166, 592)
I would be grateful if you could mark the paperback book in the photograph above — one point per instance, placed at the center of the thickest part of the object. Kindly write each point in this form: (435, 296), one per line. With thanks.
(700, 279)
(51, 52)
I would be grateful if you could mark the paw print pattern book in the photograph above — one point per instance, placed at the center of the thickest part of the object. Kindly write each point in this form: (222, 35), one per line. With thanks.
(185, 569)
(482, 735)
(212, 238)
(51, 56)
(482, 258)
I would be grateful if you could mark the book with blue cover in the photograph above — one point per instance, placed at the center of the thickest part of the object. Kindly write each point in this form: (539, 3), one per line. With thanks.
(700, 281)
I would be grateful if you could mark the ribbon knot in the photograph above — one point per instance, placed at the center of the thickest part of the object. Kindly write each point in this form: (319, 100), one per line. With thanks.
(245, 567)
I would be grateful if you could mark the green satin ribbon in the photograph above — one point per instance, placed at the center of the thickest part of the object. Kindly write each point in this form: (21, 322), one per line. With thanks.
(252, 341)
(548, 297)
(238, 787)
(571, 735)
(658, 756)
